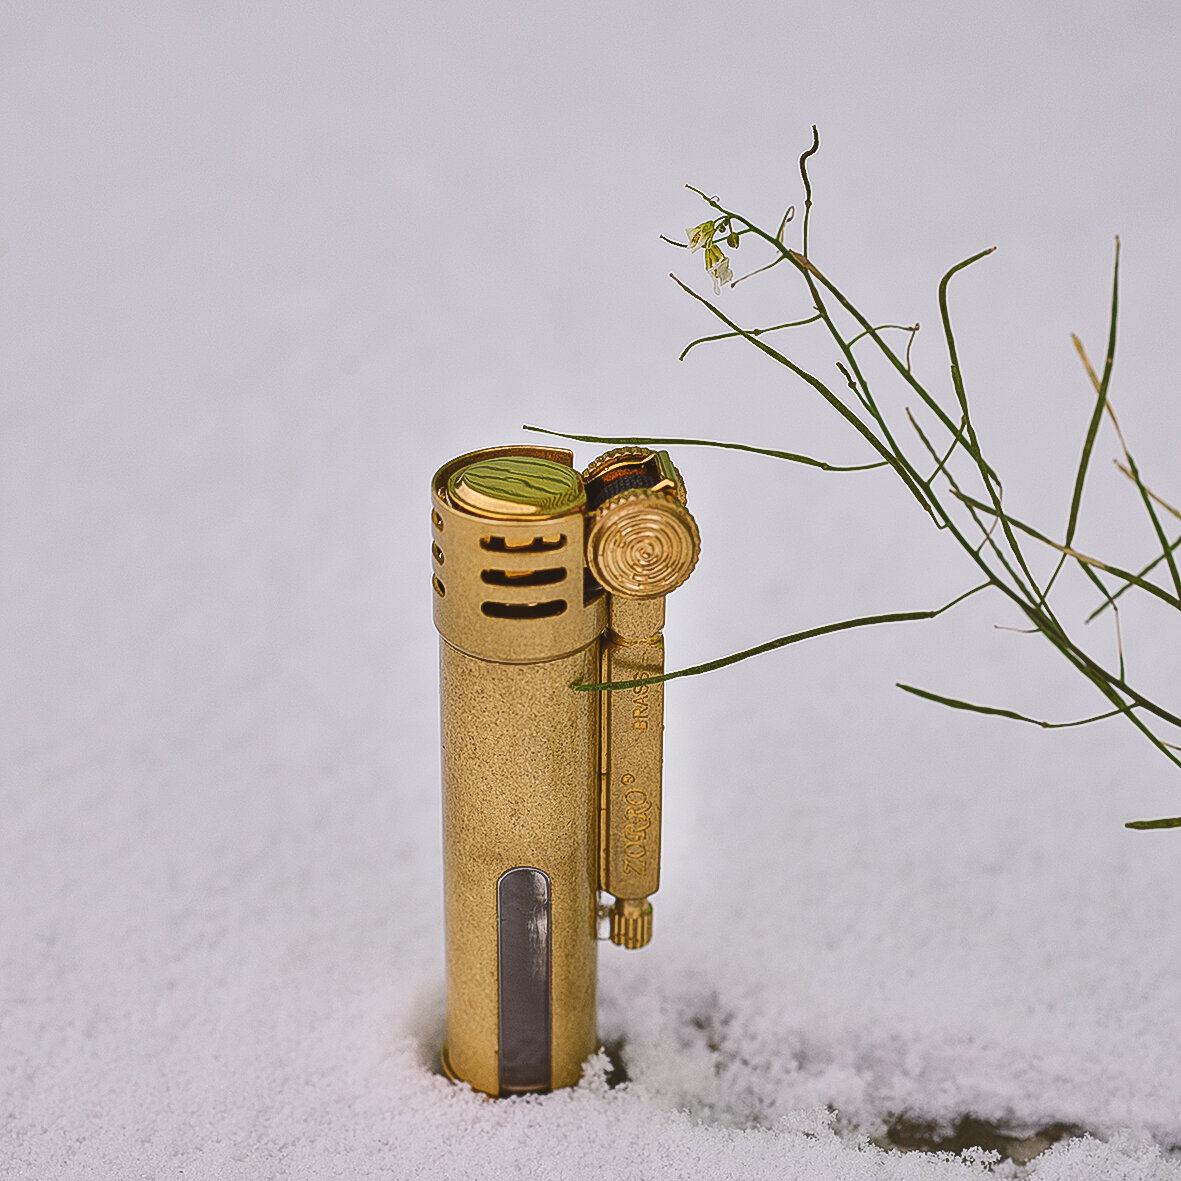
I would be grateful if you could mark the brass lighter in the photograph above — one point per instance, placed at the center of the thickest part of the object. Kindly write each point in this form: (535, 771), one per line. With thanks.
(545, 578)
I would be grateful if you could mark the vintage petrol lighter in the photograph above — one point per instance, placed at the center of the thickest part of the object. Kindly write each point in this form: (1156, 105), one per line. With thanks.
(545, 578)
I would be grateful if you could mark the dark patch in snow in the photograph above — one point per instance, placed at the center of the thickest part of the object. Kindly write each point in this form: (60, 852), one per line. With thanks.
(617, 1075)
(910, 1135)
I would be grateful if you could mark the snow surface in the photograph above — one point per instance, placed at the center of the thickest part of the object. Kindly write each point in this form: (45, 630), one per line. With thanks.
(264, 267)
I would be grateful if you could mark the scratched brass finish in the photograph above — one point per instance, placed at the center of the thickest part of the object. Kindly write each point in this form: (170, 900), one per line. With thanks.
(544, 578)
(495, 579)
(519, 789)
(631, 922)
(643, 544)
(633, 726)
(520, 749)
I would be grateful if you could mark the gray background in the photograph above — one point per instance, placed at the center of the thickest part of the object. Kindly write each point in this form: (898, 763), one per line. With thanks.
(262, 269)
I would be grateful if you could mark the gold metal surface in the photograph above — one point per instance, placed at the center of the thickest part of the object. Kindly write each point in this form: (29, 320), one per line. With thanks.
(633, 728)
(643, 544)
(519, 788)
(656, 468)
(494, 578)
(631, 922)
(536, 775)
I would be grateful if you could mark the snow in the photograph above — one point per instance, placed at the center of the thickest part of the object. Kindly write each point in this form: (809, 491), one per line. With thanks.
(262, 269)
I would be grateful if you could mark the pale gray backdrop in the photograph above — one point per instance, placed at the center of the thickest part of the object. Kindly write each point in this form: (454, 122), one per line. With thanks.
(264, 267)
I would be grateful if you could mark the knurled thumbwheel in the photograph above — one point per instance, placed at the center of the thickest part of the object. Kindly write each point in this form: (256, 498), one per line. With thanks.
(631, 922)
(643, 544)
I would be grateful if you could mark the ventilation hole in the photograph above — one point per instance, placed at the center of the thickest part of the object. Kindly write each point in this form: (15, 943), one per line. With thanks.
(523, 577)
(539, 545)
(524, 610)
(440, 589)
(436, 520)
(437, 552)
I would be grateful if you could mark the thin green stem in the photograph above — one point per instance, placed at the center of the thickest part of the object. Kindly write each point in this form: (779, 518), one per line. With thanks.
(1022, 592)
(783, 642)
(1000, 554)
(942, 463)
(956, 703)
(911, 328)
(1097, 414)
(822, 389)
(644, 441)
(807, 183)
(1133, 579)
(753, 331)
(1133, 472)
(1166, 548)
(987, 477)
(1174, 512)
(1128, 585)
(1097, 582)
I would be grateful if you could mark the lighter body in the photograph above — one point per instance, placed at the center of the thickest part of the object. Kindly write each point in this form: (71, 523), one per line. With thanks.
(541, 809)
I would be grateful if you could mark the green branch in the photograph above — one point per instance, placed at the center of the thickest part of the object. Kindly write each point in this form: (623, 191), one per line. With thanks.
(963, 494)
(783, 642)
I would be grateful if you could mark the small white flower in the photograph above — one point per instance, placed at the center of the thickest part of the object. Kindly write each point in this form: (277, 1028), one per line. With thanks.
(721, 274)
(701, 235)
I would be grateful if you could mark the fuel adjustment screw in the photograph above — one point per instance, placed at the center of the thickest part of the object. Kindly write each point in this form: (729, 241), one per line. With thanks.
(631, 922)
